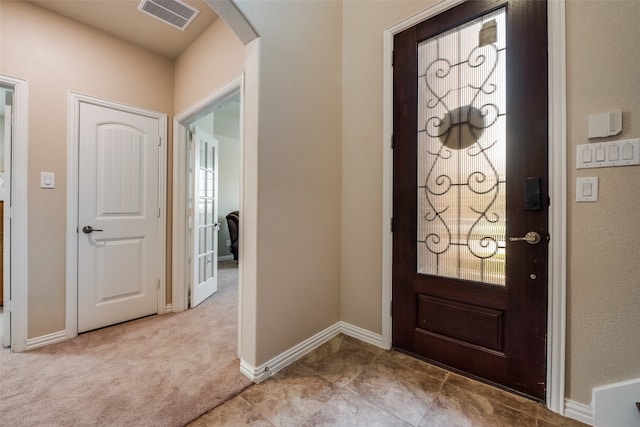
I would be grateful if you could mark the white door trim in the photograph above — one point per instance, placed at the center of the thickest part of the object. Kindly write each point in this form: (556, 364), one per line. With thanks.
(73, 122)
(557, 189)
(19, 213)
(180, 253)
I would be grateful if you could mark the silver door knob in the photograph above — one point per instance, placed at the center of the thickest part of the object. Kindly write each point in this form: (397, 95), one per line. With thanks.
(89, 229)
(532, 238)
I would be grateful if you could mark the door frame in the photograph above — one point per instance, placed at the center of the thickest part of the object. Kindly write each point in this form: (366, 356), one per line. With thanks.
(556, 316)
(180, 254)
(19, 265)
(73, 126)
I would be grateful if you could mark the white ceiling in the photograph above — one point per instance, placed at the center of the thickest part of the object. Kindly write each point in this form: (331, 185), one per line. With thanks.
(122, 19)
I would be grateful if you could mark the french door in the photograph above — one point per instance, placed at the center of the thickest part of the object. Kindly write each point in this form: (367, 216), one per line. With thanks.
(470, 192)
(204, 281)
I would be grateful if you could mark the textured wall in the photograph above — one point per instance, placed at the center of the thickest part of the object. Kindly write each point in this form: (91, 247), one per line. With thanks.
(297, 287)
(361, 275)
(603, 74)
(56, 55)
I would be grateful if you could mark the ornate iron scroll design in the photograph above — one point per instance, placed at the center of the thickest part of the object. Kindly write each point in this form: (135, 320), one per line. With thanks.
(459, 132)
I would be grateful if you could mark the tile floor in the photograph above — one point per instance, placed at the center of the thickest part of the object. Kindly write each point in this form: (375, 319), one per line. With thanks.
(346, 382)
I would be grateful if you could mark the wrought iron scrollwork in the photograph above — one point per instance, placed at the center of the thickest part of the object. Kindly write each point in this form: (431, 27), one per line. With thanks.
(459, 130)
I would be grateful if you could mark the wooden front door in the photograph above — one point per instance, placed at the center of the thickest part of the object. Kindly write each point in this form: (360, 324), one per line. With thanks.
(470, 192)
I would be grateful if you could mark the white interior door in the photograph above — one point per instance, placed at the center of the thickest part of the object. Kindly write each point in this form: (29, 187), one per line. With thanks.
(205, 219)
(118, 215)
(6, 196)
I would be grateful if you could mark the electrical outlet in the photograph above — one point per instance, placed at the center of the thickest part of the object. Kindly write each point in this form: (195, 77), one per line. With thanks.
(228, 242)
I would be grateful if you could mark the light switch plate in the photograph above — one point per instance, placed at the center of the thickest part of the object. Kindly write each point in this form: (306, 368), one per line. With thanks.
(608, 154)
(587, 189)
(47, 180)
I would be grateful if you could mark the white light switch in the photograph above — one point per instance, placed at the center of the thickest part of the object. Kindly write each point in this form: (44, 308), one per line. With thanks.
(587, 189)
(607, 154)
(47, 180)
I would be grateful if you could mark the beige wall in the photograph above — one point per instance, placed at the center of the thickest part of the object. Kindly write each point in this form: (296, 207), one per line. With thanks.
(215, 58)
(298, 225)
(604, 269)
(603, 291)
(57, 55)
(361, 273)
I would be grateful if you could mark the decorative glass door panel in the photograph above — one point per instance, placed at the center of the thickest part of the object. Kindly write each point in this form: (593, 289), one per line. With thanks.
(461, 152)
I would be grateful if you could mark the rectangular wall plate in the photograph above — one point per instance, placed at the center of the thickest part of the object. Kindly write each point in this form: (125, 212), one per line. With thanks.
(608, 154)
(47, 180)
(587, 189)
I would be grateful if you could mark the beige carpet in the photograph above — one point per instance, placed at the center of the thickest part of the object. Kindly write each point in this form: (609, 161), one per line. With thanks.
(157, 371)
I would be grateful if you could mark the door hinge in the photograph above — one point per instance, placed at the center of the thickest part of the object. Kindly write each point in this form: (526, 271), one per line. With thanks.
(391, 308)
(548, 201)
(158, 284)
(159, 141)
(392, 224)
(158, 212)
(393, 58)
(393, 141)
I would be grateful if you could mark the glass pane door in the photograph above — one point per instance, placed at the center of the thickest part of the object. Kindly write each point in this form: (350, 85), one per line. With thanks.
(461, 152)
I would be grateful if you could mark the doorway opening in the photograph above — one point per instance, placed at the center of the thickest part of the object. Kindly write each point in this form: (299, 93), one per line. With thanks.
(219, 114)
(13, 189)
(6, 124)
(213, 191)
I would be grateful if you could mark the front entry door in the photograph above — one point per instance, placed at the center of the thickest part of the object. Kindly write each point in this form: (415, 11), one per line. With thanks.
(470, 192)
(118, 233)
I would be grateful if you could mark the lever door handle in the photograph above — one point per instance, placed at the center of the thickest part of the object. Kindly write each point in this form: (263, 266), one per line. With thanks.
(532, 238)
(89, 229)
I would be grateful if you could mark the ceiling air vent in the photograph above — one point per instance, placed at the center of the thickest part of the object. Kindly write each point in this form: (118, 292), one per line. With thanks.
(173, 12)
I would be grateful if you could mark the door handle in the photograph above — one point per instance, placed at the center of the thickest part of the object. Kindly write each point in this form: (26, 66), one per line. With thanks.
(89, 229)
(532, 238)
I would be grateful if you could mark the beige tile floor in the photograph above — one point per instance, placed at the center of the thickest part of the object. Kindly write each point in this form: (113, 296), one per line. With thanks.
(346, 382)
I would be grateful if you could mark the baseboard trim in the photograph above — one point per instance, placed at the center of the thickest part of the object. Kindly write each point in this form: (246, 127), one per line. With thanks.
(46, 340)
(361, 334)
(168, 308)
(225, 257)
(283, 360)
(578, 411)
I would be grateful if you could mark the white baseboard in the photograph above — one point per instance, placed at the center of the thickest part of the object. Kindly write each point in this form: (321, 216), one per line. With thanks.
(361, 334)
(168, 308)
(46, 340)
(283, 360)
(225, 257)
(578, 411)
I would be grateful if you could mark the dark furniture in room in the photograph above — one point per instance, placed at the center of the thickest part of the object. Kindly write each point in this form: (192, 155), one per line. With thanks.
(233, 222)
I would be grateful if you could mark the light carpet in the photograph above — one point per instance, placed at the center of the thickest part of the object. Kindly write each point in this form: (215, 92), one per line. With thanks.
(157, 371)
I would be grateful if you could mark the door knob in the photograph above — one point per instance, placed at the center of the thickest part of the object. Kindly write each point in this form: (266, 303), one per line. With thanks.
(89, 229)
(532, 238)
